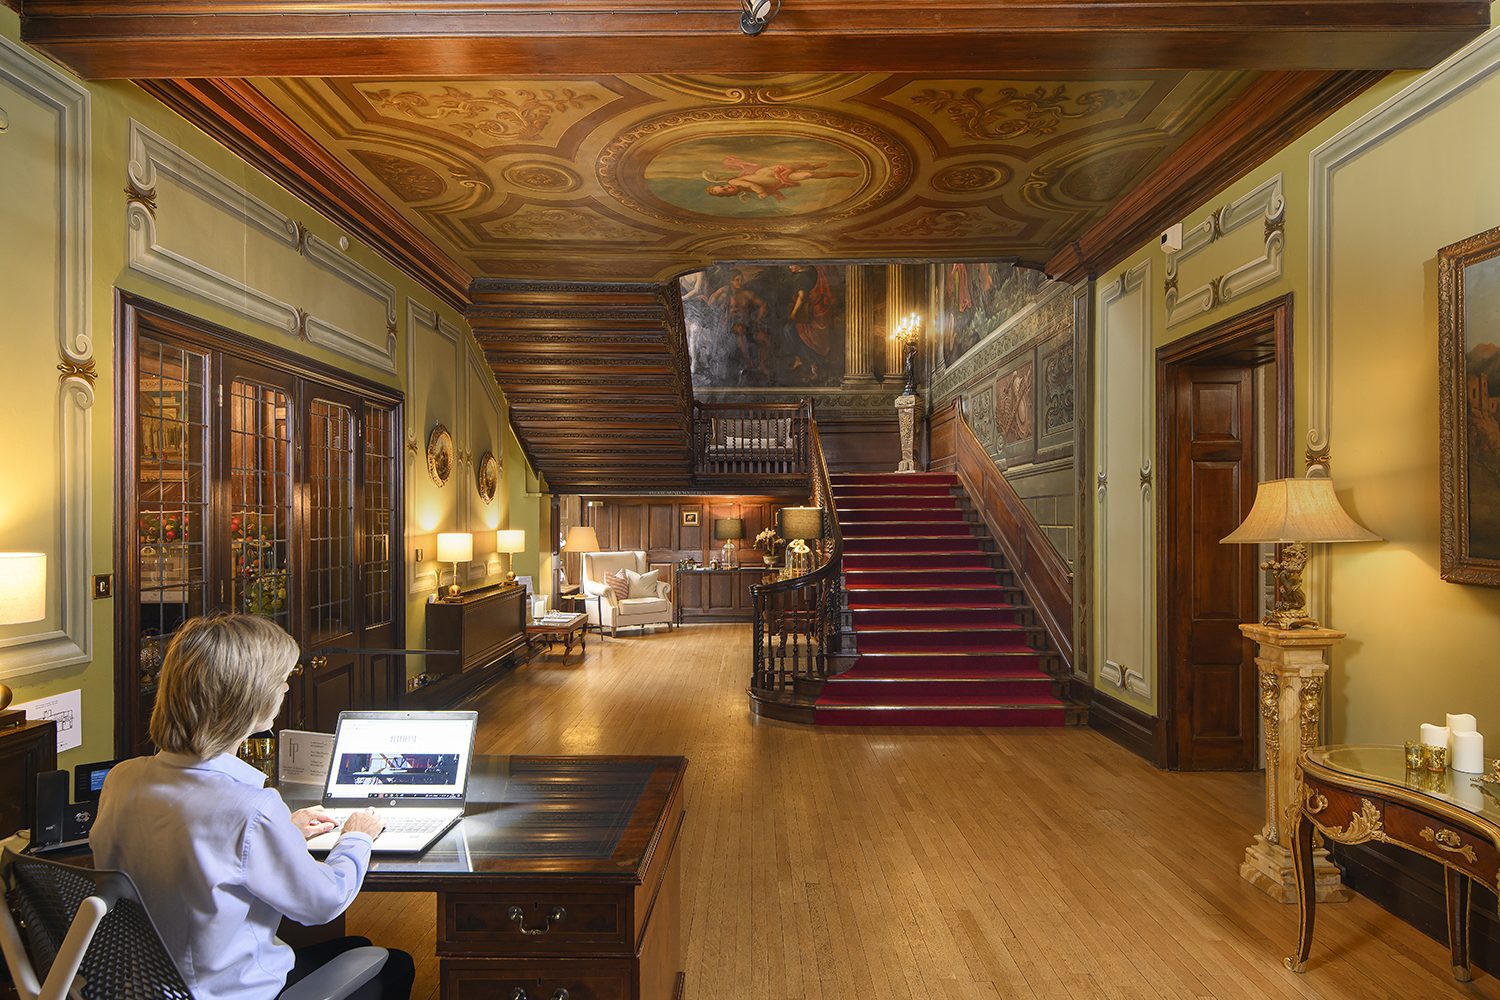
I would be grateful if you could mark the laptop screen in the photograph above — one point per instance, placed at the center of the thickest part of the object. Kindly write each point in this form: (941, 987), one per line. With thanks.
(401, 755)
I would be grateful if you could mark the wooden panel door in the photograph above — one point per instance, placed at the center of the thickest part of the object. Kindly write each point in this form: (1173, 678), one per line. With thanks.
(1210, 586)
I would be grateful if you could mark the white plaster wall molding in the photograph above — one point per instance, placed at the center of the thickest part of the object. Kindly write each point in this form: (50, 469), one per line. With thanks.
(152, 157)
(1266, 204)
(71, 640)
(1124, 347)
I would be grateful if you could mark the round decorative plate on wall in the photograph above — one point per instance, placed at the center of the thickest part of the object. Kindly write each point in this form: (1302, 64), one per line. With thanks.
(487, 476)
(440, 454)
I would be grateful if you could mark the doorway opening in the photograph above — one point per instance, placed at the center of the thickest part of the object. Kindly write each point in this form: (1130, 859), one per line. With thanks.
(1224, 425)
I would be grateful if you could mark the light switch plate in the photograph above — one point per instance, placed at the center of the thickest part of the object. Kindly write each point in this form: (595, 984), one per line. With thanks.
(104, 584)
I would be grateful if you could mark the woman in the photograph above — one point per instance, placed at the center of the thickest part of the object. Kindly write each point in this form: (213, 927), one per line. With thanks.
(218, 858)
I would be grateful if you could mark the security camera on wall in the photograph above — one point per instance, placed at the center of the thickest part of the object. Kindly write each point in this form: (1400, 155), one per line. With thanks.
(1171, 239)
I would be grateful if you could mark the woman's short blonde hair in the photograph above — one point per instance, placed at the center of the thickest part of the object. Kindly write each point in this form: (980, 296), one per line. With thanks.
(220, 680)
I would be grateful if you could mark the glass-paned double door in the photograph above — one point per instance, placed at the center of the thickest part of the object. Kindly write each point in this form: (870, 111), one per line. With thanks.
(258, 490)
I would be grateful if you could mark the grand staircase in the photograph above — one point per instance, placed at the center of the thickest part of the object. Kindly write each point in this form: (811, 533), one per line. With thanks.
(944, 635)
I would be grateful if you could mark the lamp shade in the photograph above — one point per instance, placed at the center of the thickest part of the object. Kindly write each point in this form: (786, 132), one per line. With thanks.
(729, 528)
(800, 522)
(581, 539)
(1298, 510)
(455, 546)
(510, 540)
(23, 587)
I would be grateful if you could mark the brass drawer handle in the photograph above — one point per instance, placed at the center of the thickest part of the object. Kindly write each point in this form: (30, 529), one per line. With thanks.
(556, 915)
(1450, 842)
(520, 994)
(1315, 802)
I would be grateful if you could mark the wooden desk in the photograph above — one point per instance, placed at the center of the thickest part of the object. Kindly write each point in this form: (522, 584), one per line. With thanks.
(1354, 794)
(562, 880)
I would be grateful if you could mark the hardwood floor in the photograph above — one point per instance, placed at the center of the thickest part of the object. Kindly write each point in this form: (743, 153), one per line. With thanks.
(906, 863)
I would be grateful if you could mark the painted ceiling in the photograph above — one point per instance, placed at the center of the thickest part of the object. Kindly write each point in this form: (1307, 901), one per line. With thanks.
(624, 178)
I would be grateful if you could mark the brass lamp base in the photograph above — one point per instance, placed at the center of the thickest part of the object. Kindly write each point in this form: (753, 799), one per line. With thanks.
(1289, 619)
(1288, 603)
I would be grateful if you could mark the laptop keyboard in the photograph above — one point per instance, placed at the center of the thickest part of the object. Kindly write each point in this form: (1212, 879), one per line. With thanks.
(411, 825)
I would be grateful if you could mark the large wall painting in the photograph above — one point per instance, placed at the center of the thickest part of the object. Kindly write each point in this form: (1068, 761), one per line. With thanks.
(978, 298)
(757, 326)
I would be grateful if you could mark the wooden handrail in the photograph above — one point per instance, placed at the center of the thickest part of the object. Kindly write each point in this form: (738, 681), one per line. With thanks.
(796, 620)
(1042, 571)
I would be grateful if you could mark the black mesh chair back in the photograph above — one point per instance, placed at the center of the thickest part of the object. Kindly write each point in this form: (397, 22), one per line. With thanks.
(126, 959)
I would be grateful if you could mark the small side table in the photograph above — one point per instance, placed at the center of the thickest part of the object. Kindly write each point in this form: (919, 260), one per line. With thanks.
(564, 632)
(580, 600)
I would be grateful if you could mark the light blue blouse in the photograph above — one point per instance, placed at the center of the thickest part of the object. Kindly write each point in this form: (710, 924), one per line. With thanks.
(218, 863)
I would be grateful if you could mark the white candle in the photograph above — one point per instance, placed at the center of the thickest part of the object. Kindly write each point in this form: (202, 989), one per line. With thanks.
(1468, 753)
(1434, 736)
(1461, 724)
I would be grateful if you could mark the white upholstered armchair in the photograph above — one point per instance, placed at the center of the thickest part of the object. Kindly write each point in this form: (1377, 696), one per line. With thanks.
(615, 613)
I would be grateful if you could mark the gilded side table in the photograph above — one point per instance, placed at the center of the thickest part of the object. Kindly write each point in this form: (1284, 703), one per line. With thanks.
(1292, 668)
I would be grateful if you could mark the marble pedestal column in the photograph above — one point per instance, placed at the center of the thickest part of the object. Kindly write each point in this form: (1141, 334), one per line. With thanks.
(1292, 667)
(908, 409)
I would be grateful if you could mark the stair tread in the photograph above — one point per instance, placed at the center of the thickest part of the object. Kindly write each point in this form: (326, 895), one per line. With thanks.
(930, 701)
(959, 673)
(882, 608)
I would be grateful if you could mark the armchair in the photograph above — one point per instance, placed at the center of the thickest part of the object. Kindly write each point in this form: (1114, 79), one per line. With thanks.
(613, 613)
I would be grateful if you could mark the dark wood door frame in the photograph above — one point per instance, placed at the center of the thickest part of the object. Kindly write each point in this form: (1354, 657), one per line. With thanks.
(1257, 336)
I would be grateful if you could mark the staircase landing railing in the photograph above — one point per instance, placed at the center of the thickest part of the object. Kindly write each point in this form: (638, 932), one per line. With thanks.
(760, 442)
(797, 620)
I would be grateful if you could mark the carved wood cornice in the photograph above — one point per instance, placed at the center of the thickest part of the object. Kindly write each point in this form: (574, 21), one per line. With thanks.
(237, 115)
(257, 38)
(1273, 111)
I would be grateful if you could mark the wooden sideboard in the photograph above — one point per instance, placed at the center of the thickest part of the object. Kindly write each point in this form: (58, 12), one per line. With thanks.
(716, 595)
(25, 750)
(484, 626)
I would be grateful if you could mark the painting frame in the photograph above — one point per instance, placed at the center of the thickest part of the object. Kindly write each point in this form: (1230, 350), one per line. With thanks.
(690, 518)
(1465, 409)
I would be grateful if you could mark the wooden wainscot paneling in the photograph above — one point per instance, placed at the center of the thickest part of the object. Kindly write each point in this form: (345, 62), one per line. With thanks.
(943, 441)
(1143, 735)
(1042, 571)
(860, 444)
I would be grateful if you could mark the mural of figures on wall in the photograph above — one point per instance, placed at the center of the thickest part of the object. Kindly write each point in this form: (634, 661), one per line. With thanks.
(751, 325)
(977, 298)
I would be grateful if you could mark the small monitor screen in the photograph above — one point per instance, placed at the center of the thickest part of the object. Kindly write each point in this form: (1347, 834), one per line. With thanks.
(406, 757)
(88, 780)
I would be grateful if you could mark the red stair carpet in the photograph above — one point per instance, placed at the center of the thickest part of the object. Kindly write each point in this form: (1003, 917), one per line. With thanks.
(943, 632)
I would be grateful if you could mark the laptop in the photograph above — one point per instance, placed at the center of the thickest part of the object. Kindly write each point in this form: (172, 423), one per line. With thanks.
(412, 767)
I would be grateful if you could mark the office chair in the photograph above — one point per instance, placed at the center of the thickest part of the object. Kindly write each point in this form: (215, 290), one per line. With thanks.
(88, 931)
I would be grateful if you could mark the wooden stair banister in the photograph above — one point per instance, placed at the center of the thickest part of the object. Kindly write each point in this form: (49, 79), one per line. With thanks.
(1044, 573)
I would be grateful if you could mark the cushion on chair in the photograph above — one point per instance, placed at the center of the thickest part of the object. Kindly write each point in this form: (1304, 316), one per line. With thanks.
(641, 584)
(620, 583)
(636, 606)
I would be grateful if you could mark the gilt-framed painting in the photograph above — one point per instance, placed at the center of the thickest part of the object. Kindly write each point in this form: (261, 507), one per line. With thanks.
(1469, 401)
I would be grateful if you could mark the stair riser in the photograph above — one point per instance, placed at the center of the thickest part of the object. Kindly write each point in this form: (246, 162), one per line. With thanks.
(947, 617)
(1027, 661)
(896, 529)
(987, 718)
(839, 479)
(946, 642)
(893, 692)
(854, 575)
(852, 504)
(848, 490)
(938, 515)
(940, 543)
(956, 597)
(957, 562)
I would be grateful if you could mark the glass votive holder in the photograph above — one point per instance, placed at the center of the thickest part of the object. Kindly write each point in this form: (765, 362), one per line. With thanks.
(1435, 759)
(1413, 755)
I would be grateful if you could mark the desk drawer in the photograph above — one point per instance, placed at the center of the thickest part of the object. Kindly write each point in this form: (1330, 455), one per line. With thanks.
(1336, 810)
(536, 923)
(1454, 846)
(469, 979)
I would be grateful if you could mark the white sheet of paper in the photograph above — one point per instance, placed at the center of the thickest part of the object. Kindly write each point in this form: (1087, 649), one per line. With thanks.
(66, 709)
(303, 756)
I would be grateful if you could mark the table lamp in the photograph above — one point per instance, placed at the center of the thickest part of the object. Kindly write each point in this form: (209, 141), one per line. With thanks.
(455, 547)
(510, 541)
(729, 530)
(800, 525)
(23, 598)
(1293, 513)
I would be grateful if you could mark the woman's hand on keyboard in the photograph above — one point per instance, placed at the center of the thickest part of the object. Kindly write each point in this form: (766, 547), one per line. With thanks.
(365, 821)
(313, 822)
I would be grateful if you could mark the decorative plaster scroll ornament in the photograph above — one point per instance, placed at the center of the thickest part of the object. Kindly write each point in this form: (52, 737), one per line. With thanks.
(4, 121)
(1267, 203)
(145, 197)
(440, 454)
(1012, 114)
(487, 477)
(86, 370)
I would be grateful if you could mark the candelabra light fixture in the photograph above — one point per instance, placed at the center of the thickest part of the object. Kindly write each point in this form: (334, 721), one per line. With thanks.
(907, 333)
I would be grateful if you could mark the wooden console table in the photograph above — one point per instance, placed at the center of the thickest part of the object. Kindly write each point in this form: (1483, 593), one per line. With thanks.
(707, 594)
(561, 881)
(1354, 794)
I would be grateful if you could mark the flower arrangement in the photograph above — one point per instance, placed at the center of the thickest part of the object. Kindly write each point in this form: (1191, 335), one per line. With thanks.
(168, 526)
(770, 542)
(254, 543)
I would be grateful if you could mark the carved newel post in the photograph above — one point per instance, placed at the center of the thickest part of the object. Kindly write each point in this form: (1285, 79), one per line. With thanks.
(1292, 666)
(908, 410)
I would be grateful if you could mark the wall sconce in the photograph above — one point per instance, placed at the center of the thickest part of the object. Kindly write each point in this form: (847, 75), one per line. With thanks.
(455, 547)
(23, 598)
(756, 14)
(510, 541)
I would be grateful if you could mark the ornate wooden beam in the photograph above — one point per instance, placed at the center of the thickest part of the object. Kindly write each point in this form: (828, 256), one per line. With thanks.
(141, 39)
(1272, 112)
(242, 119)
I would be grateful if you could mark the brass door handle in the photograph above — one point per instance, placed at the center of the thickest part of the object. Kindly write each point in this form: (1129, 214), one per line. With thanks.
(1449, 841)
(297, 669)
(554, 916)
(318, 662)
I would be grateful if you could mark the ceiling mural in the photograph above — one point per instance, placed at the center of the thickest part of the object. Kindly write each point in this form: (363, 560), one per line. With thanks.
(625, 178)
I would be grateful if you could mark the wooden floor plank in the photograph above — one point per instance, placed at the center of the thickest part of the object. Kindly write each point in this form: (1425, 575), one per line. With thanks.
(893, 864)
